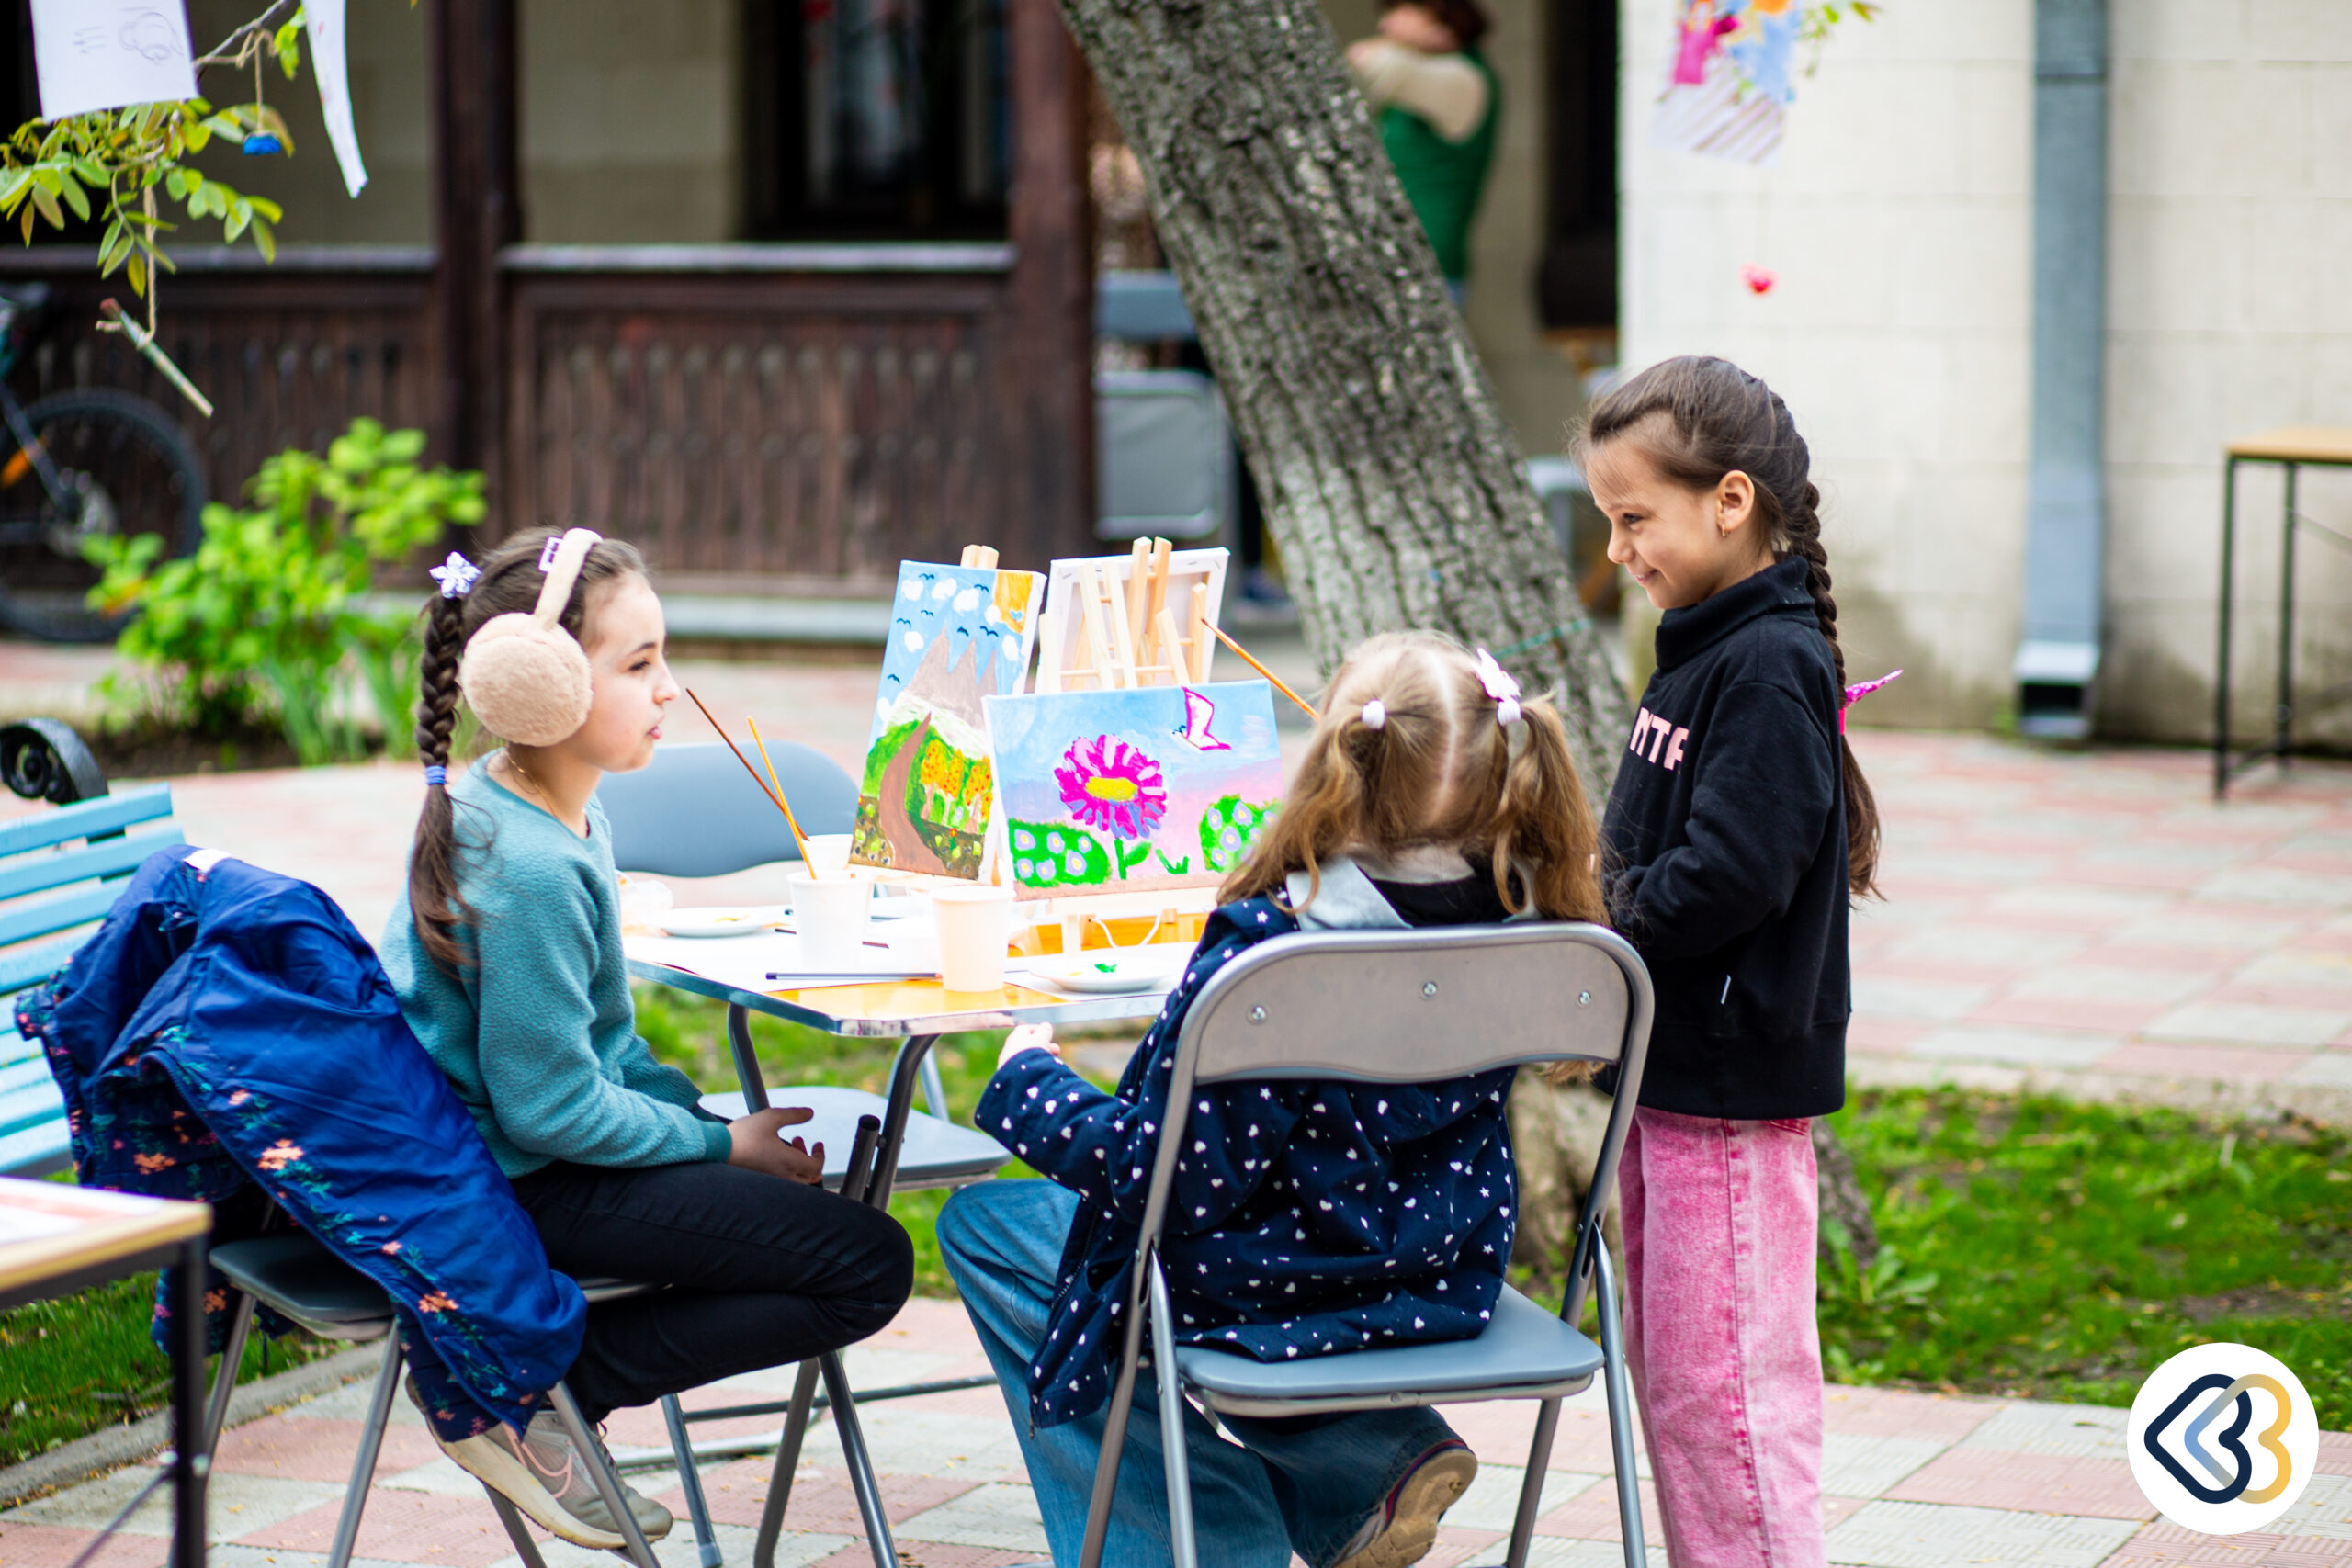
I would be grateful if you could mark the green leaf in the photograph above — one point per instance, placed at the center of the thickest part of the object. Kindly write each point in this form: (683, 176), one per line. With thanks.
(136, 270)
(240, 215)
(266, 241)
(267, 208)
(46, 200)
(78, 199)
(176, 183)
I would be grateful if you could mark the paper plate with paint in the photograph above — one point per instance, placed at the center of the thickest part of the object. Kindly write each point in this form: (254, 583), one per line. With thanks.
(1110, 971)
(719, 921)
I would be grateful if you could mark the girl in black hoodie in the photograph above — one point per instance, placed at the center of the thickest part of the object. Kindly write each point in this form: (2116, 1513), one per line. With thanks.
(1738, 832)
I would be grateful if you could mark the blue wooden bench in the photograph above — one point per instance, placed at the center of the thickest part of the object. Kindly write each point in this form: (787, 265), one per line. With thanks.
(60, 870)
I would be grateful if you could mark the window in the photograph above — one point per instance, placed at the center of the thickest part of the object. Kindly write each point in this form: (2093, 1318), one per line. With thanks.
(1579, 282)
(878, 119)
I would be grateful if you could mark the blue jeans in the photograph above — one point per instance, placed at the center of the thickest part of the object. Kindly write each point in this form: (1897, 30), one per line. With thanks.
(1307, 1482)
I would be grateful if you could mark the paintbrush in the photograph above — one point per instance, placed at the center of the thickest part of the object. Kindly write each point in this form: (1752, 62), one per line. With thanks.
(776, 796)
(1269, 676)
(793, 822)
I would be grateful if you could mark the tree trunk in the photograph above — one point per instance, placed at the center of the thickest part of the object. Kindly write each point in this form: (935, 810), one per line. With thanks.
(1389, 481)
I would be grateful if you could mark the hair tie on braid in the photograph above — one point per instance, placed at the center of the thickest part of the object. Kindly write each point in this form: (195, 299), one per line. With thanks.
(436, 776)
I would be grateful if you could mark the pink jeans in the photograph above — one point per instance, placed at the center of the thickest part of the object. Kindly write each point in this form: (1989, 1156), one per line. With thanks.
(1720, 1218)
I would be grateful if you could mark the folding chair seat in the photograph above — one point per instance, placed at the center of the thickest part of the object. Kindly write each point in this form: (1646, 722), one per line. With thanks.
(300, 1279)
(1399, 1006)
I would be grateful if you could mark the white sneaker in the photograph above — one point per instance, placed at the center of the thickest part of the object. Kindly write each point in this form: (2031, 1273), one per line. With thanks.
(543, 1475)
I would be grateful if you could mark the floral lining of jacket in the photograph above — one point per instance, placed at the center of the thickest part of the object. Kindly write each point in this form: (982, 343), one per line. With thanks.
(1308, 1218)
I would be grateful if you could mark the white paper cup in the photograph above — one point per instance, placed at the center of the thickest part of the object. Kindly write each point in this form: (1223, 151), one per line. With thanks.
(975, 924)
(829, 914)
(829, 854)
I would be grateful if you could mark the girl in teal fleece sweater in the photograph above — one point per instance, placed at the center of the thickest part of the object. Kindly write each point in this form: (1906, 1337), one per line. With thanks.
(506, 949)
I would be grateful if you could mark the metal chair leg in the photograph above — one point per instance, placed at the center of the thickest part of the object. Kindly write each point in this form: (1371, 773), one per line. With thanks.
(224, 1380)
(363, 1463)
(1182, 1544)
(697, 1508)
(1620, 1409)
(788, 1462)
(599, 1471)
(1531, 1491)
(861, 1466)
(516, 1531)
(1114, 1442)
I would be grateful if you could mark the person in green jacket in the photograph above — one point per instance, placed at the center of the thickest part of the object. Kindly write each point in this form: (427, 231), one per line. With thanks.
(1437, 103)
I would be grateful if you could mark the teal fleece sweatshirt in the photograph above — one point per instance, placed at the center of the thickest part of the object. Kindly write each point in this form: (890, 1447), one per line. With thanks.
(538, 1035)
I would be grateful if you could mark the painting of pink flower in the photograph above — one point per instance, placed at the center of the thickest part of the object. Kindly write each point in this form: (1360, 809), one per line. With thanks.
(1109, 785)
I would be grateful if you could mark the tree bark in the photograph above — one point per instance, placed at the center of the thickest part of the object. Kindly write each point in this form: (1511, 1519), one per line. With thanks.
(1391, 485)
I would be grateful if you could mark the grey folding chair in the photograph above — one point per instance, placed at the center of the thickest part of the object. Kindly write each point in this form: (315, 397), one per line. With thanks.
(1400, 1007)
(296, 1274)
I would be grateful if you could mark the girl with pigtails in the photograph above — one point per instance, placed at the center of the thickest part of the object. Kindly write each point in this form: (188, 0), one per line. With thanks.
(1738, 831)
(1308, 1217)
(505, 951)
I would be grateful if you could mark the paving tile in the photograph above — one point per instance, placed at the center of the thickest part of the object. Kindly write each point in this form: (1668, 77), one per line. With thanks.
(2301, 967)
(1926, 999)
(2071, 907)
(2163, 1543)
(2024, 1047)
(2090, 981)
(234, 1556)
(302, 1448)
(934, 1554)
(27, 1545)
(1856, 1466)
(2038, 1482)
(821, 1498)
(2335, 1453)
(2218, 1063)
(1883, 1036)
(1889, 1534)
(995, 1515)
(1456, 1544)
(2000, 948)
(1592, 1514)
(2250, 1023)
(1903, 1412)
(2323, 1511)
(2210, 925)
(1559, 1551)
(2061, 1431)
(2280, 994)
(2067, 1013)
(2331, 1069)
(678, 1550)
(401, 1527)
(237, 1504)
(2279, 885)
(1492, 1502)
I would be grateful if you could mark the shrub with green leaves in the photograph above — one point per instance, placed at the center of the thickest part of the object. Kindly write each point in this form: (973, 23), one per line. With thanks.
(267, 620)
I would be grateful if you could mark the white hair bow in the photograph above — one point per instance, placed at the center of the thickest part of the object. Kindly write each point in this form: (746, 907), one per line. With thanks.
(1502, 686)
(1376, 715)
(457, 576)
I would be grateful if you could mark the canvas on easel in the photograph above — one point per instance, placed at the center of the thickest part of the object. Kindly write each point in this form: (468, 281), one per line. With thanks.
(1143, 618)
(958, 635)
(1142, 790)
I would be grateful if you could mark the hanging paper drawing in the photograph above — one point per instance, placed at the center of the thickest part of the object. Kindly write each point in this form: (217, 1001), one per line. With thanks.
(1134, 790)
(957, 635)
(1733, 73)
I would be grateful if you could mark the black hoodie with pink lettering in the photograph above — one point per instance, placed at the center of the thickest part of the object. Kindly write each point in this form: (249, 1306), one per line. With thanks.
(1724, 856)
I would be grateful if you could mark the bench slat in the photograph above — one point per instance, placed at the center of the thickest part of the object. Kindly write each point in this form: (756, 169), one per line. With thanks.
(30, 966)
(114, 857)
(31, 1106)
(14, 1047)
(16, 1075)
(54, 915)
(106, 815)
(36, 1151)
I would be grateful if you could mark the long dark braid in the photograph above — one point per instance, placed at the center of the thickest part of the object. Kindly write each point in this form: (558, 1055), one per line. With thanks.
(1700, 419)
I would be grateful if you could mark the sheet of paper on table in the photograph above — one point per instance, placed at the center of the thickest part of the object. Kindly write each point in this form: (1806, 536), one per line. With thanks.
(32, 1210)
(746, 962)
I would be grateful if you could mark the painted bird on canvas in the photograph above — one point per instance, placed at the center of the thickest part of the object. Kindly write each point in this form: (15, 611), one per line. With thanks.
(1198, 714)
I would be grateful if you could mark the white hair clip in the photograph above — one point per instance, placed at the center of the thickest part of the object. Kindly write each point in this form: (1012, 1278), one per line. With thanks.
(1502, 686)
(457, 576)
(1376, 715)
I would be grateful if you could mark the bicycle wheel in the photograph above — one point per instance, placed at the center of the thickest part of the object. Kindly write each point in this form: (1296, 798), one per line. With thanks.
(132, 472)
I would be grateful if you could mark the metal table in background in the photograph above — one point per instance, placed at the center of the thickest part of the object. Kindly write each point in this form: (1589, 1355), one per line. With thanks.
(915, 1014)
(2292, 447)
(56, 1239)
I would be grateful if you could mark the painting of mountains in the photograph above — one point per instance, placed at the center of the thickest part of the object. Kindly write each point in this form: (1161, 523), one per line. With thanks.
(957, 635)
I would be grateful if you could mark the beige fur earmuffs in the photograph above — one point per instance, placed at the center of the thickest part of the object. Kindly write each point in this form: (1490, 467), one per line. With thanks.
(527, 679)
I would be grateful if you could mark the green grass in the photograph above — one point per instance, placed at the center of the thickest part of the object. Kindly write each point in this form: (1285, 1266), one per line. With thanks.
(2038, 1246)
(71, 1366)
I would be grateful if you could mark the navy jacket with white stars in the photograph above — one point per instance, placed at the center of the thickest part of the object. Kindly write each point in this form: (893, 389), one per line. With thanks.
(1307, 1218)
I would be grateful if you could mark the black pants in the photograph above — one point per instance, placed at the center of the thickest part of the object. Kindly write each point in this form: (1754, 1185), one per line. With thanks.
(765, 1271)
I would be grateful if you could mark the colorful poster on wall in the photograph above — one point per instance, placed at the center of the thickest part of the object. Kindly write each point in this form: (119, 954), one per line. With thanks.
(958, 635)
(1134, 791)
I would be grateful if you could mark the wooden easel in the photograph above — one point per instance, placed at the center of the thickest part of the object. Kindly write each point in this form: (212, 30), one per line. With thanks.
(981, 556)
(1130, 634)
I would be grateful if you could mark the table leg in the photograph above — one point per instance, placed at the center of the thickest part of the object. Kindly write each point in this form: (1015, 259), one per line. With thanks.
(2285, 718)
(747, 1065)
(191, 1459)
(905, 1072)
(2221, 649)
